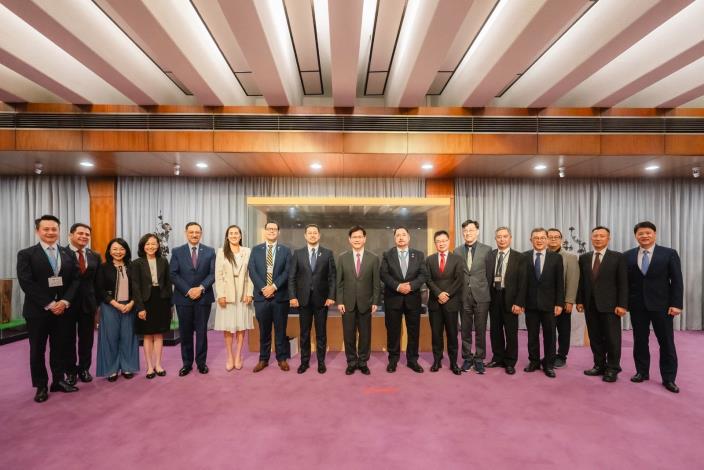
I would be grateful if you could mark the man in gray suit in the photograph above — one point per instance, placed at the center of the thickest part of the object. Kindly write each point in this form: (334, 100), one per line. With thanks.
(358, 289)
(563, 322)
(475, 298)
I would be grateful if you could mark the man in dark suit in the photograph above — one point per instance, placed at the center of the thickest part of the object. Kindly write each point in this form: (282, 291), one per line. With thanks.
(48, 275)
(445, 282)
(545, 297)
(84, 306)
(358, 289)
(655, 291)
(193, 276)
(311, 287)
(603, 296)
(403, 274)
(506, 274)
(476, 297)
(268, 267)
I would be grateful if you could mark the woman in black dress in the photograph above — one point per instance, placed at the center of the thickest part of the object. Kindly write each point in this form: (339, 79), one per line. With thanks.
(151, 287)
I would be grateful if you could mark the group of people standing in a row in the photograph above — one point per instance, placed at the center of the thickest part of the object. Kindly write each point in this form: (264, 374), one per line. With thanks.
(64, 285)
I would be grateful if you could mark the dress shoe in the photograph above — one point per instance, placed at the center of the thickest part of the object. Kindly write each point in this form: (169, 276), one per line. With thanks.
(671, 387)
(321, 368)
(127, 375)
(550, 373)
(71, 379)
(151, 375)
(302, 368)
(455, 369)
(532, 367)
(466, 365)
(478, 367)
(415, 367)
(62, 386)
(42, 395)
(160, 373)
(203, 369)
(437, 365)
(113, 377)
(229, 367)
(494, 364)
(609, 376)
(364, 370)
(391, 367)
(560, 363)
(184, 371)
(260, 366)
(350, 370)
(510, 370)
(638, 378)
(283, 365)
(85, 376)
(594, 371)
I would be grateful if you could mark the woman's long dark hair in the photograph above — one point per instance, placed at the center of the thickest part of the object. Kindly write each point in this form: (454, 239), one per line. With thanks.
(226, 246)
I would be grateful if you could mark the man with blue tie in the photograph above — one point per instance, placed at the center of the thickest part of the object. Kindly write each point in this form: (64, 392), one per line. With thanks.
(655, 292)
(269, 268)
(193, 276)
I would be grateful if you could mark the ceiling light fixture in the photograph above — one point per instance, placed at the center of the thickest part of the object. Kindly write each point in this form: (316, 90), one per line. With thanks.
(177, 170)
(316, 166)
(696, 172)
(38, 168)
(540, 167)
(652, 167)
(561, 171)
(87, 164)
(202, 165)
(427, 166)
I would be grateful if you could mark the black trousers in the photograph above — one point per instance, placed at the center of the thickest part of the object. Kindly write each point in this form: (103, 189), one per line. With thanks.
(534, 320)
(473, 318)
(393, 322)
(270, 313)
(663, 329)
(57, 330)
(193, 318)
(503, 331)
(83, 329)
(355, 322)
(563, 326)
(307, 314)
(604, 330)
(444, 320)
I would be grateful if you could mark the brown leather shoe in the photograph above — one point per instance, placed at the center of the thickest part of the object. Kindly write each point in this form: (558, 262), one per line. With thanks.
(260, 366)
(283, 365)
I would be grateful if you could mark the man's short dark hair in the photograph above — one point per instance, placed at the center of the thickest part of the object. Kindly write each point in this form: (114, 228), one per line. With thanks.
(356, 228)
(644, 224)
(143, 241)
(470, 222)
(272, 222)
(46, 217)
(315, 226)
(601, 227)
(538, 229)
(553, 229)
(78, 225)
(440, 232)
(194, 223)
(401, 227)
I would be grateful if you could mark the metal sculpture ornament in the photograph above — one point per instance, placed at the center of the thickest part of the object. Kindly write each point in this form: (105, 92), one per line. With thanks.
(162, 232)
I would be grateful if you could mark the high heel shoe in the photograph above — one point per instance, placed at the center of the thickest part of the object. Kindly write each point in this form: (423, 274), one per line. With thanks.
(151, 375)
(229, 367)
(160, 373)
(238, 368)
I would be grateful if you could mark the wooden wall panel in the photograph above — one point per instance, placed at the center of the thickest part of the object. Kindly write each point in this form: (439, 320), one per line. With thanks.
(505, 144)
(375, 143)
(123, 141)
(317, 142)
(181, 141)
(684, 144)
(225, 141)
(440, 143)
(564, 144)
(102, 212)
(7, 139)
(443, 187)
(620, 144)
(48, 140)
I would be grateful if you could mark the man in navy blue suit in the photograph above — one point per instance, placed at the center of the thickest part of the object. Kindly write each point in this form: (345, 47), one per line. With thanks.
(268, 269)
(193, 275)
(655, 296)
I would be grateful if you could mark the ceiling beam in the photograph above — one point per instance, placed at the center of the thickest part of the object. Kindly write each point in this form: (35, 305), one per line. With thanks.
(345, 31)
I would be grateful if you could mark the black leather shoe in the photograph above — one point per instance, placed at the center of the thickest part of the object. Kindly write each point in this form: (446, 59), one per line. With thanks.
(151, 375)
(71, 379)
(594, 371)
(560, 363)
(364, 370)
(350, 370)
(113, 377)
(42, 395)
(494, 364)
(62, 386)
(391, 367)
(455, 369)
(321, 368)
(85, 376)
(609, 376)
(127, 375)
(466, 365)
(302, 368)
(532, 367)
(510, 370)
(671, 387)
(160, 373)
(437, 365)
(185, 371)
(638, 378)
(203, 369)
(550, 373)
(415, 367)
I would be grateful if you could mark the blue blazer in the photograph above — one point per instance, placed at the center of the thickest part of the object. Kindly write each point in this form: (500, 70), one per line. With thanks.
(184, 276)
(257, 271)
(661, 287)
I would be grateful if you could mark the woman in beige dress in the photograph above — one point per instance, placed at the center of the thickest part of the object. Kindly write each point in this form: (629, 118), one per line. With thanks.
(234, 312)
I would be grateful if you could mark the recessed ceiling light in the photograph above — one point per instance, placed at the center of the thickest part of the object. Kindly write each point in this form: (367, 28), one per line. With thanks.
(561, 171)
(427, 166)
(202, 165)
(652, 167)
(87, 164)
(38, 168)
(316, 166)
(540, 167)
(696, 172)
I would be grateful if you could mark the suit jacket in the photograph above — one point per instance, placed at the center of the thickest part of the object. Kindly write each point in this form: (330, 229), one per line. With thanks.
(392, 276)
(475, 280)
(312, 287)
(451, 280)
(33, 273)
(358, 292)
(141, 281)
(610, 288)
(546, 293)
(106, 281)
(661, 287)
(184, 276)
(86, 300)
(233, 282)
(515, 282)
(257, 271)
(570, 267)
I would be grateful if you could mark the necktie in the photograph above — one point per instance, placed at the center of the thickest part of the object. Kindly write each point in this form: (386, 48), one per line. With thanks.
(51, 254)
(499, 270)
(470, 258)
(81, 262)
(269, 265)
(596, 266)
(312, 259)
(442, 262)
(404, 263)
(645, 263)
(358, 264)
(537, 265)
(194, 256)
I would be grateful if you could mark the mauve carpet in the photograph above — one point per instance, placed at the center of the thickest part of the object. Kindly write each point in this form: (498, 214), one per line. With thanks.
(242, 420)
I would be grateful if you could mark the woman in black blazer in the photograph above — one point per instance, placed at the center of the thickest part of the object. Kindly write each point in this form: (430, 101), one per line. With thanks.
(151, 289)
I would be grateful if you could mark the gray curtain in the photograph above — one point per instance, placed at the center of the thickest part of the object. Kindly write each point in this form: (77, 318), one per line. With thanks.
(23, 199)
(676, 206)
